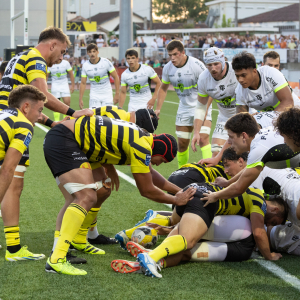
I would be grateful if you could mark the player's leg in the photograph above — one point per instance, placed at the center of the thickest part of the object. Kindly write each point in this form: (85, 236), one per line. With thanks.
(219, 136)
(205, 145)
(136, 105)
(184, 134)
(55, 91)
(67, 99)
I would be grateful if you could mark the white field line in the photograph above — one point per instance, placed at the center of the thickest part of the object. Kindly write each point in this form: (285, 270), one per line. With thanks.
(271, 267)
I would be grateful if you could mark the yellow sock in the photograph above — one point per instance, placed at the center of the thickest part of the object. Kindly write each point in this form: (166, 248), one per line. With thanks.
(183, 157)
(56, 116)
(206, 151)
(72, 220)
(12, 235)
(80, 237)
(159, 219)
(171, 245)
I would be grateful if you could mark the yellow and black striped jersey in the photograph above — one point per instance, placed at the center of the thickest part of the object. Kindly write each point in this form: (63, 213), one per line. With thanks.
(16, 131)
(209, 174)
(21, 69)
(116, 142)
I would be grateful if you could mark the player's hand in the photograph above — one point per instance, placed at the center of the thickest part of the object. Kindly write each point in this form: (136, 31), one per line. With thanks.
(72, 89)
(209, 197)
(66, 118)
(210, 162)
(221, 181)
(157, 112)
(116, 98)
(113, 175)
(84, 112)
(275, 256)
(151, 103)
(81, 104)
(182, 197)
(161, 230)
(195, 140)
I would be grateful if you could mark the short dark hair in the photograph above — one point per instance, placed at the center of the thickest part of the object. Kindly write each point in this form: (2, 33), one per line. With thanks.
(23, 92)
(51, 33)
(230, 154)
(288, 123)
(131, 52)
(243, 60)
(2, 67)
(242, 122)
(279, 201)
(271, 54)
(175, 44)
(91, 46)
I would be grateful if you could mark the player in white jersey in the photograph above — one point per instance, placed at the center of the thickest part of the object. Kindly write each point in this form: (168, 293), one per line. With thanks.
(218, 81)
(264, 88)
(98, 70)
(138, 78)
(182, 72)
(60, 85)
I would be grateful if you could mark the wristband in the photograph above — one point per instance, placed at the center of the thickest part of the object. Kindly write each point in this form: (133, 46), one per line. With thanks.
(48, 122)
(70, 112)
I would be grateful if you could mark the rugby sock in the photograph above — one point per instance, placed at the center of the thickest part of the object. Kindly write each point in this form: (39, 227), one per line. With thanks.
(183, 157)
(93, 230)
(12, 236)
(56, 235)
(80, 238)
(159, 220)
(171, 245)
(56, 116)
(206, 151)
(162, 263)
(72, 220)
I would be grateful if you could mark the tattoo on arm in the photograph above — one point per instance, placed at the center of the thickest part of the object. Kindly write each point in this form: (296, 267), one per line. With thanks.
(242, 108)
(43, 119)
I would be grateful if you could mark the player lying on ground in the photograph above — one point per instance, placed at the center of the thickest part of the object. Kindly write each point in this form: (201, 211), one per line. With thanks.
(251, 204)
(93, 143)
(138, 78)
(229, 238)
(16, 122)
(231, 165)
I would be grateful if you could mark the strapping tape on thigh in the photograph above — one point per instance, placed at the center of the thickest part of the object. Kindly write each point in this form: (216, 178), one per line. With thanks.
(72, 187)
(205, 130)
(184, 135)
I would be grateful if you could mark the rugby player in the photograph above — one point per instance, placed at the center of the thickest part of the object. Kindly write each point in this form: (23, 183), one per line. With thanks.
(97, 142)
(138, 78)
(60, 85)
(182, 72)
(250, 204)
(2, 69)
(16, 122)
(98, 70)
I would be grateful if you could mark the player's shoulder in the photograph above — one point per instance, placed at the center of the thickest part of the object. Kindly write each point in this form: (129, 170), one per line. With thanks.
(20, 120)
(86, 64)
(269, 71)
(104, 60)
(168, 66)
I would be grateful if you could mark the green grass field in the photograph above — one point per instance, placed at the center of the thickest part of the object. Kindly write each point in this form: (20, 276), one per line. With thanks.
(41, 201)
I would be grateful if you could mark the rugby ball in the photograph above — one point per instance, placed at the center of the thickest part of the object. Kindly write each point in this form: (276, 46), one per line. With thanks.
(146, 236)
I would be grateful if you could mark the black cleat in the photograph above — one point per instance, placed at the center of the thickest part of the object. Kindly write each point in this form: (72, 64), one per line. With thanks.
(103, 240)
(74, 260)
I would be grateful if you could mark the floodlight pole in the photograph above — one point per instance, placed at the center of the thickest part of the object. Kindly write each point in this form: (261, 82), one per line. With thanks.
(236, 13)
(26, 22)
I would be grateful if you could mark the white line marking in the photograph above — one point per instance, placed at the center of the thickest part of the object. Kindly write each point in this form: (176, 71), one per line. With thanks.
(273, 268)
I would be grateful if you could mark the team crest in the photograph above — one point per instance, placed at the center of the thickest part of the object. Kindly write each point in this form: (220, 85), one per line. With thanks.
(95, 69)
(226, 101)
(97, 79)
(222, 87)
(181, 87)
(179, 74)
(148, 160)
(135, 77)
(137, 87)
(58, 74)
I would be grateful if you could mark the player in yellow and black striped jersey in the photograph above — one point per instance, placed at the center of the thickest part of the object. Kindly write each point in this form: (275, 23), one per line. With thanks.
(16, 130)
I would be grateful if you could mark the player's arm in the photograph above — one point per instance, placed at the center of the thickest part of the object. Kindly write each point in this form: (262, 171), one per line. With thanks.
(157, 83)
(11, 160)
(235, 189)
(162, 93)
(47, 76)
(261, 238)
(116, 78)
(149, 190)
(163, 184)
(123, 94)
(200, 112)
(81, 90)
(241, 108)
(285, 97)
(298, 211)
(70, 72)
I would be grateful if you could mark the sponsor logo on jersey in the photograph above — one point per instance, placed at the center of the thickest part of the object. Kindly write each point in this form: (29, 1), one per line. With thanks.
(179, 172)
(137, 87)
(271, 80)
(181, 87)
(295, 238)
(264, 207)
(58, 74)
(179, 74)
(211, 90)
(28, 139)
(263, 137)
(97, 79)
(135, 77)
(226, 101)
(222, 87)
(40, 67)
(258, 97)
(85, 165)
(148, 160)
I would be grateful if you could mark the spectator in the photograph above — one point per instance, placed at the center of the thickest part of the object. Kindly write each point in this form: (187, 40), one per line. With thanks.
(136, 43)
(156, 64)
(201, 41)
(276, 44)
(206, 45)
(154, 48)
(67, 55)
(247, 35)
(283, 44)
(143, 46)
(100, 41)
(77, 41)
(83, 60)
(122, 64)
(117, 42)
(82, 43)
(112, 41)
(104, 45)
(77, 73)
(219, 43)
(229, 44)
(160, 42)
(292, 45)
(209, 39)
(168, 40)
(164, 62)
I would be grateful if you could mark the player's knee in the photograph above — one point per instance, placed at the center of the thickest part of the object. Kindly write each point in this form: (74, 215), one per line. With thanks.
(183, 135)
(216, 148)
(103, 194)
(187, 255)
(87, 196)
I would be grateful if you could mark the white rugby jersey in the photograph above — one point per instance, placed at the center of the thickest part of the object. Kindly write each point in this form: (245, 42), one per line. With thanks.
(59, 72)
(139, 82)
(268, 148)
(184, 79)
(98, 74)
(222, 91)
(285, 182)
(264, 98)
(266, 118)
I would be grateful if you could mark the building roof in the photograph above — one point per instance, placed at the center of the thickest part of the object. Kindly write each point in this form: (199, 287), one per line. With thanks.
(78, 19)
(104, 17)
(283, 14)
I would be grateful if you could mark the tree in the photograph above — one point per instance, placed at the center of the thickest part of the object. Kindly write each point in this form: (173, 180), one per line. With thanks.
(180, 11)
(225, 23)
